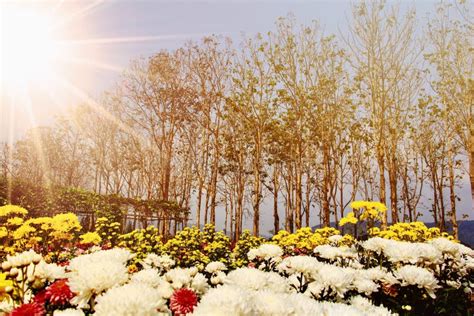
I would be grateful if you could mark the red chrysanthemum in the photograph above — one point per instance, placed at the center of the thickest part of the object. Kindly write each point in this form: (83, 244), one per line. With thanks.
(31, 309)
(59, 293)
(63, 263)
(183, 301)
(40, 298)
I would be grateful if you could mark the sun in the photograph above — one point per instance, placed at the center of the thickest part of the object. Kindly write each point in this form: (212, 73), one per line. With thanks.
(28, 48)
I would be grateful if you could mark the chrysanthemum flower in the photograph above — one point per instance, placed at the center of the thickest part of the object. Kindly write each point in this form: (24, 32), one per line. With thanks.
(31, 309)
(183, 301)
(59, 293)
(40, 298)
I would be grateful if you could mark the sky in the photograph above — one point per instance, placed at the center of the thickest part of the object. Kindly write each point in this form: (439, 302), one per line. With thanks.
(109, 34)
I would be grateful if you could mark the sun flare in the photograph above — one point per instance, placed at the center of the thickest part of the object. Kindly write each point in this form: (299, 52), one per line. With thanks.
(30, 53)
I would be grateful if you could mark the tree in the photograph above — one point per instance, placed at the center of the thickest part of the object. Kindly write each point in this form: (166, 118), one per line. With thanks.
(384, 57)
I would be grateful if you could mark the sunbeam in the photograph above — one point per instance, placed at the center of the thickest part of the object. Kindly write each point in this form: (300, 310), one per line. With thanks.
(96, 107)
(88, 9)
(37, 141)
(132, 39)
(94, 63)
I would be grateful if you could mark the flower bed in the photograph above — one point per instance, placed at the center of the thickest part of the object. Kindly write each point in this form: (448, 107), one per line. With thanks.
(412, 270)
(373, 277)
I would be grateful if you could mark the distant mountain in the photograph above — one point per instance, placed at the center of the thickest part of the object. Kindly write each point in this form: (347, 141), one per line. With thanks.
(466, 232)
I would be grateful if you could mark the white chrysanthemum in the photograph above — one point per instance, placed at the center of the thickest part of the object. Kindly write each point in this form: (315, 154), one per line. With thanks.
(218, 278)
(265, 252)
(446, 246)
(327, 252)
(467, 265)
(95, 278)
(366, 306)
(422, 278)
(335, 239)
(454, 284)
(180, 277)
(299, 264)
(338, 309)
(428, 253)
(377, 274)
(336, 278)
(49, 271)
(23, 259)
(315, 289)
(6, 306)
(94, 249)
(199, 284)
(225, 300)
(354, 264)
(269, 303)
(399, 251)
(150, 277)
(130, 299)
(413, 253)
(465, 250)
(365, 286)
(254, 279)
(331, 253)
(215, 266)
(304, 305)
(118, 255)
(162, 263)
(377, 244)
(69, 312)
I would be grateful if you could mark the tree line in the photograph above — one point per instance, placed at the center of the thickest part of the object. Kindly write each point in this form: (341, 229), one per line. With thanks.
(294, 119)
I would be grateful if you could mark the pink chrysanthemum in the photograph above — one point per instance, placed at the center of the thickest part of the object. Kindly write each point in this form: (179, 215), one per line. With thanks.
(31, 309)
(183, 301)
(59, 293)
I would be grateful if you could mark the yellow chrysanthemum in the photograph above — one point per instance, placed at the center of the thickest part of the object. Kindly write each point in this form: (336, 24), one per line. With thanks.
(90, 238)
(4, 284)
(8, 210)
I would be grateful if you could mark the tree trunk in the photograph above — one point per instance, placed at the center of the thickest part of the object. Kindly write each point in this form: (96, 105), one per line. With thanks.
(452, 197)
(435, 196)
(299, 196)
(392, 174)
(276, 218)
(471, 161)
(199, 202)
(256, 186)
(382, 193)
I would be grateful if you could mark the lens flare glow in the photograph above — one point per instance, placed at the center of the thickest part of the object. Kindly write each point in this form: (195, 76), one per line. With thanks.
(29, 51)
